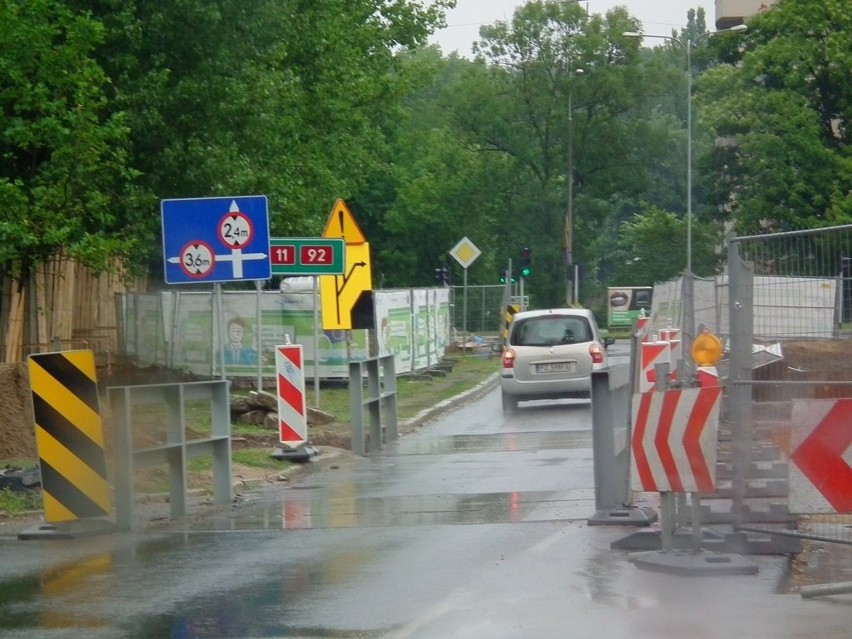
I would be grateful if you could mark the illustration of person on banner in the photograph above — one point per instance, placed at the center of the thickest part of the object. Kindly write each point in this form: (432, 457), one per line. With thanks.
(236, 352)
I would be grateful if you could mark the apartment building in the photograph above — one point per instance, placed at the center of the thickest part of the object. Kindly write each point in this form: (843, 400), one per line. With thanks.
(730, 13)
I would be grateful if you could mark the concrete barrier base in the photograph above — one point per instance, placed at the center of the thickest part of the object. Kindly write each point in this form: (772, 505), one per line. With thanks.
(694, 564)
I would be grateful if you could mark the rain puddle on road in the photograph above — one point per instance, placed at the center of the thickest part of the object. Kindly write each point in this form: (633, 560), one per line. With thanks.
(514, 441)
(300, 510)
(434, 480)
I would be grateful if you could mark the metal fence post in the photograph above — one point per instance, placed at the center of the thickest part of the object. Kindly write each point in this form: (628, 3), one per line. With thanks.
(388, 403)
(741, 322)
(356, 403)
(374, 409)
(688, 322)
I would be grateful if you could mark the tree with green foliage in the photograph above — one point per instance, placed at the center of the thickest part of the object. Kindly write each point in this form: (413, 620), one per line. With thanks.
(283, 97)
(517, 109)
(782, 110)
(65, 181)
(653, 248)
(654, 241)
(438, 189)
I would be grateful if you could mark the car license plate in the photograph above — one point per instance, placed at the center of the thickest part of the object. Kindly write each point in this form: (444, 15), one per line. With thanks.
(556, 367)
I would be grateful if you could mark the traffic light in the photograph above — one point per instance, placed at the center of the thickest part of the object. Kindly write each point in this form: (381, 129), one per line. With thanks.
(503, 276)
(526, 262)
(442, 276)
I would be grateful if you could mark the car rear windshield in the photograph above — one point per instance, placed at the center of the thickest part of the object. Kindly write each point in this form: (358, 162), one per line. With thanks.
(549, 330)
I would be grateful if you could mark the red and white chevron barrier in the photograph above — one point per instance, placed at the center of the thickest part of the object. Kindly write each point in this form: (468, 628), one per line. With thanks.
(674, 440)
(820, 466)
(707, 375)
(292, 410)
(672, 336)
(651, 354)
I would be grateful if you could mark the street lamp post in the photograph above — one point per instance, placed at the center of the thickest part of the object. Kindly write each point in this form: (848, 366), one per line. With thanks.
(570, 269)
(687, 44)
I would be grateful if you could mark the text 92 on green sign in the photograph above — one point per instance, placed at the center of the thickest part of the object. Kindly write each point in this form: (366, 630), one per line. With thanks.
(307, 255)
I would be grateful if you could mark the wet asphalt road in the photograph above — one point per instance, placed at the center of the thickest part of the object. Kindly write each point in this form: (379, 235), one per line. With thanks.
(473, 527)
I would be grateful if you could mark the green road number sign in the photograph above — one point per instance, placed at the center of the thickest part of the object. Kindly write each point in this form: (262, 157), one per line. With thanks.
(307, 256)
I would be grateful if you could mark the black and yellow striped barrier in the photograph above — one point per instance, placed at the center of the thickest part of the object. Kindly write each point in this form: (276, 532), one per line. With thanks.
(511, 309)
(69, 435)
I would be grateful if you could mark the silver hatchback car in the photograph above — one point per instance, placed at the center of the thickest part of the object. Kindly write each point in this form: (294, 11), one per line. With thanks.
(551, 354)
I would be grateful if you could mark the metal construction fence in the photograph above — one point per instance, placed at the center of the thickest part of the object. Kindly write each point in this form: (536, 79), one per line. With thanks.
(789, 401)
(179, 329)
(234, 334)
(780, 443)
(482, 310)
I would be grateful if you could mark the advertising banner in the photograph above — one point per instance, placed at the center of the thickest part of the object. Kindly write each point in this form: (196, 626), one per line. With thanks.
(182, 330)
(393, 316)
(625, 303)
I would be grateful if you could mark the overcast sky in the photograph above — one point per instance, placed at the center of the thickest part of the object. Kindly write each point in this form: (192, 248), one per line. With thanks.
(657, 16)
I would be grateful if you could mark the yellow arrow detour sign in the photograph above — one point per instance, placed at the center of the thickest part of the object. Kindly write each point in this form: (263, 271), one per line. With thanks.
(347, 299)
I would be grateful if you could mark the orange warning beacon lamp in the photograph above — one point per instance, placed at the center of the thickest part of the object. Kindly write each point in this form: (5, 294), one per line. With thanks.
(706, 349)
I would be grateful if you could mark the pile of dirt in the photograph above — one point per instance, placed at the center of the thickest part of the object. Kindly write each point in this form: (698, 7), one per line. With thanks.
(829, 359)
(821, 365)
(17, 424)
(17, 428)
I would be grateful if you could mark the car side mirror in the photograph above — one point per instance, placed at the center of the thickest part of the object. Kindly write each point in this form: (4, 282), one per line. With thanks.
(608, 341)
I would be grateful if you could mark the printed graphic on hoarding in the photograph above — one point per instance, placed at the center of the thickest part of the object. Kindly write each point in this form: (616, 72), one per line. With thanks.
(236, 350)
(181, 331)
(393, 315)
(624, 304)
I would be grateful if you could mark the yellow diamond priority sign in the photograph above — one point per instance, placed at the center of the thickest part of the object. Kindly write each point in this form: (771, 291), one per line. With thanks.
(465, 252)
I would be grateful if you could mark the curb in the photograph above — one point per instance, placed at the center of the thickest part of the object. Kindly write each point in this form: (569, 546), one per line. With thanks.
(445, 406)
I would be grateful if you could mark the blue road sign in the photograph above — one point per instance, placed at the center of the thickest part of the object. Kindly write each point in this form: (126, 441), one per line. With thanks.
(216, 239)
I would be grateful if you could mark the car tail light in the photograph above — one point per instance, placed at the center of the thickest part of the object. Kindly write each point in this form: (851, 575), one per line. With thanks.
(508, 358)
(597, 354)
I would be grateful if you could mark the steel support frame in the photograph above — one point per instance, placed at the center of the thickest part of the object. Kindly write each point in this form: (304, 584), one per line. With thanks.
(177, 450)
(378, 402)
